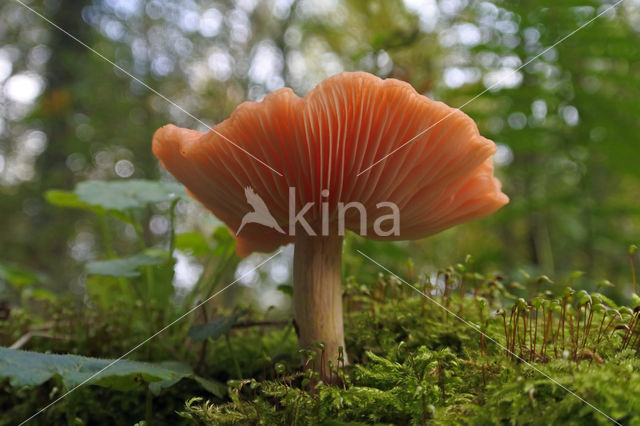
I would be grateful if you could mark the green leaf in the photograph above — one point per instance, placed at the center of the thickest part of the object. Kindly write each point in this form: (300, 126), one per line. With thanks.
(65, 199)
(126, 266)
(18, 277)
(610, 303)
(110, 293)
(224, 240)
(193, 243)
(575, 275)
(126, 195)
(516, 286)
(70, 199)
(40, 294)
(162, 287)
(286, 289)
(605, 283)
(215, 328)
(215, 387)
(544, 279)
(24, 368)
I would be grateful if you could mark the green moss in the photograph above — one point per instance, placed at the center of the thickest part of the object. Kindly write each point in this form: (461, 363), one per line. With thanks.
(412, 362)
(415, 364)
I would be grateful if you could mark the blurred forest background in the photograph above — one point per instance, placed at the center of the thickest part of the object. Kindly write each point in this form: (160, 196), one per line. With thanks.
(566, 124)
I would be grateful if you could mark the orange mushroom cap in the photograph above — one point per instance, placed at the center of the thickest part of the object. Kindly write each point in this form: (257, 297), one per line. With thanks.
(323, 141)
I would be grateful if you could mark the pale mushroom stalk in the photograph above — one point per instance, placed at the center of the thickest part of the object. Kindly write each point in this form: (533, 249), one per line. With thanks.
(317, 296)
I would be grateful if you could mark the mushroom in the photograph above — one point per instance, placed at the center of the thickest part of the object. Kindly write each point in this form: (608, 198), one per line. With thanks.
(357, 152)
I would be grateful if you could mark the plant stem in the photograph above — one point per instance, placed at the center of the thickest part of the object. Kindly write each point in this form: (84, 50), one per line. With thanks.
(577, 338)
(627, 336)
(633, 273)
(172, 219)
(148, 409)
(564, 309)
(535, 334)
(233, 356)
(203, 349)
(506, 335)
(418, 379)
(547, 325)
(317, 294)
(106, 236)
(514, 325)
(587, 326)
(604, 333)
(461, 293)
(70, 408)
(148, 271)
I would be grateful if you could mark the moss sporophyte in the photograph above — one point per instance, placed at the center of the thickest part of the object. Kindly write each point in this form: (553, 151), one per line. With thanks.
(351, 146)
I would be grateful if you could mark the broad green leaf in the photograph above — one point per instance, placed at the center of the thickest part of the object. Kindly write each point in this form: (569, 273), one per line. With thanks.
(286, 289)
(126, 266)
(24, 368)
(193, 243)
(126, 195)
(215, 328)
(224, 240)
(61, 198)
(41, 294)
(18, 277)
(110, 292)
(213, 386)
(70, 199)
(162, 287)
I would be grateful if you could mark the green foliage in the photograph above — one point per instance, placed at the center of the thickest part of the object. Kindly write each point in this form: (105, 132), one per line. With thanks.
(215, 328)
(569, 168)
(24, 368)
(415, 364)
(116, 198)
(193, 243)
(126, 195)
(568, 122)
(70, 199)
(129, 298)
(524, 397)
(128, 266)
(18, 277)
(412, 362)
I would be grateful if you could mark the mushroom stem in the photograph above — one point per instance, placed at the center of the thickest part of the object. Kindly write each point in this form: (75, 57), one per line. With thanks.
(317, 297)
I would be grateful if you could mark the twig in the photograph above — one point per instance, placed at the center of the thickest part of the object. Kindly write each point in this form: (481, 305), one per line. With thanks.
(247, 324)
(25, 338)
